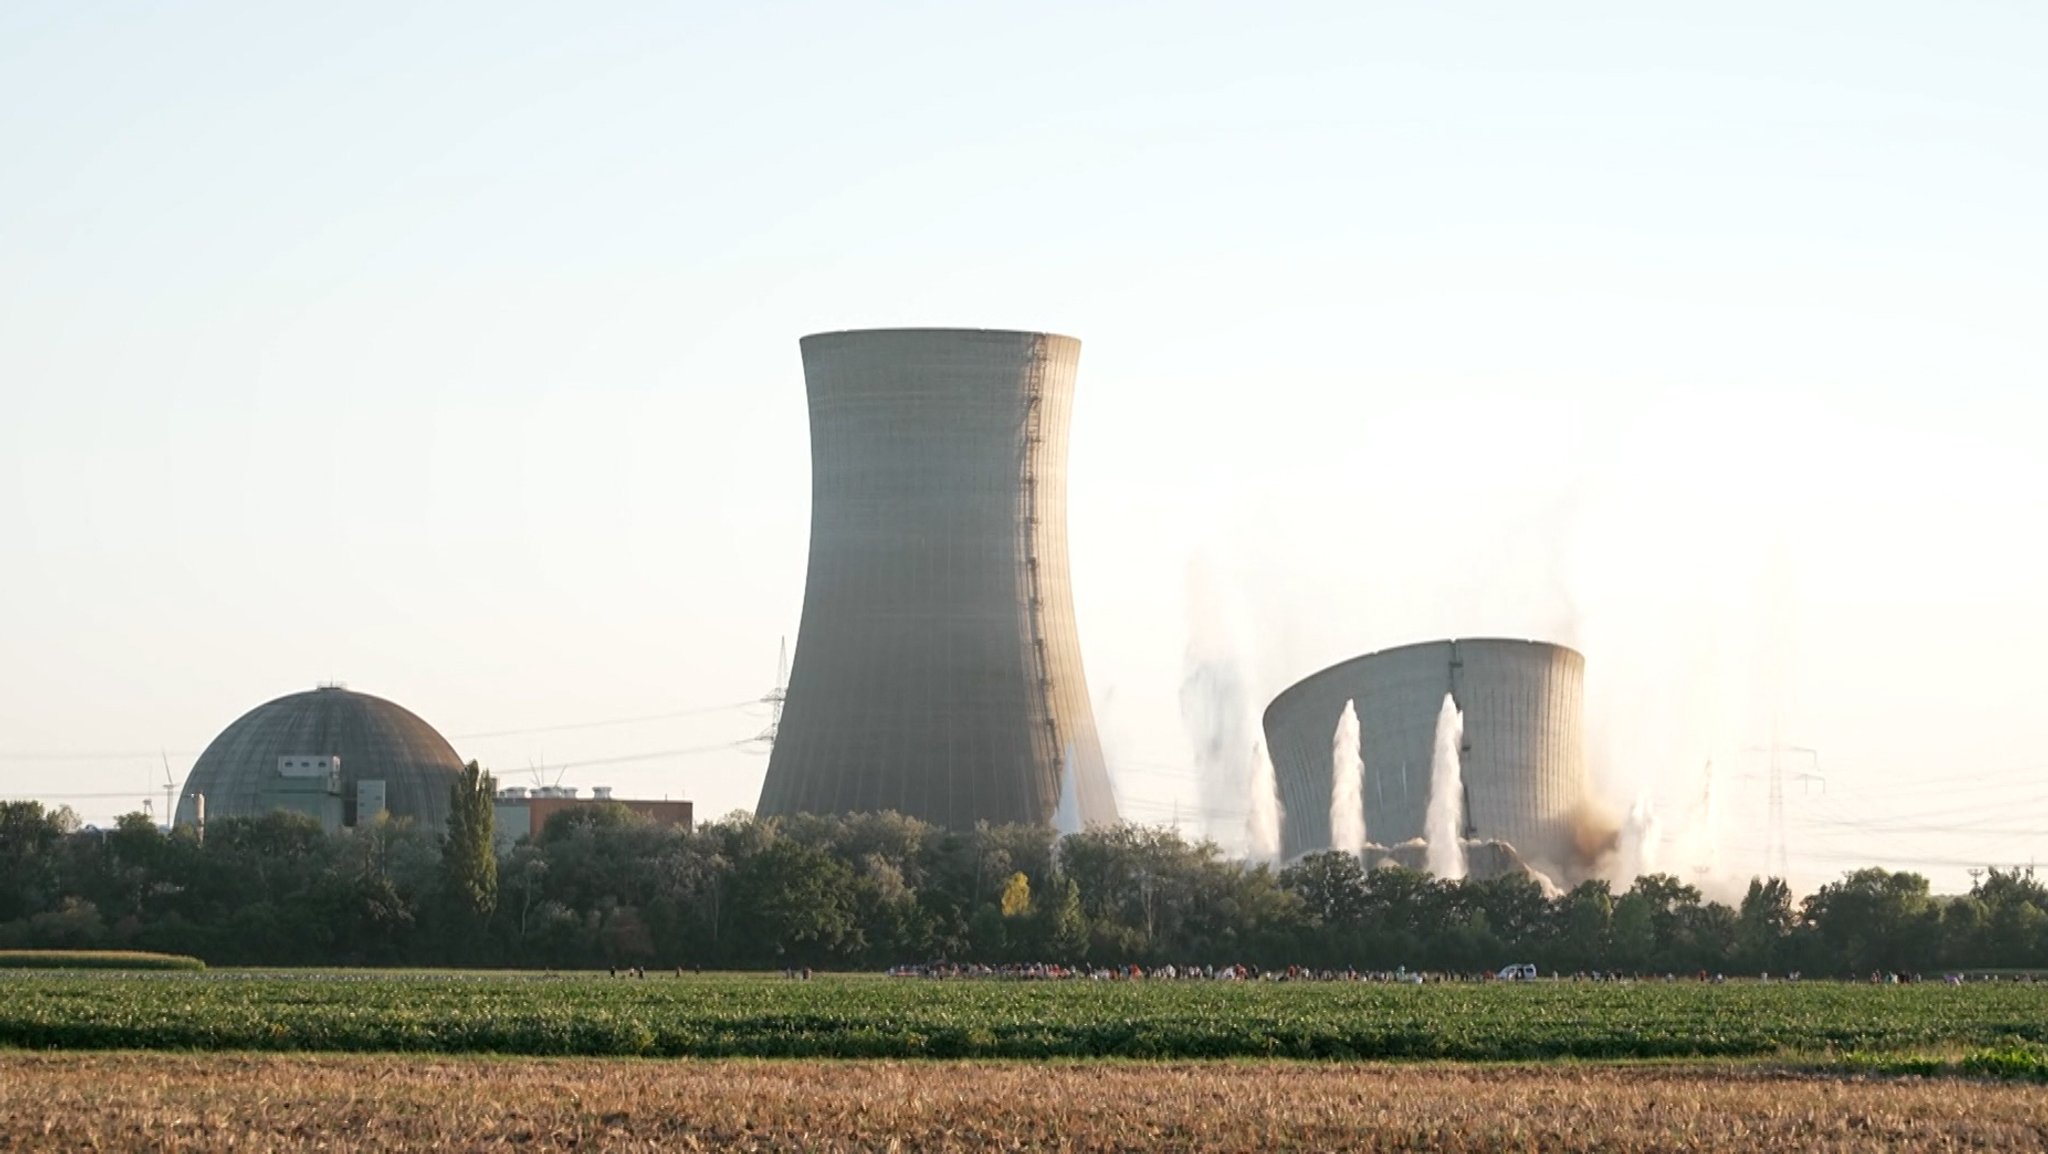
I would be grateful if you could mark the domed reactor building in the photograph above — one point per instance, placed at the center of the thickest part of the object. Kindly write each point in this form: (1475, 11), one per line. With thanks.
(336, 756)
(938, 666)
(1523, 758)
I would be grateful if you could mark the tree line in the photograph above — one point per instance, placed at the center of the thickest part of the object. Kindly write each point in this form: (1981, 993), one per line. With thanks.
(600, 886)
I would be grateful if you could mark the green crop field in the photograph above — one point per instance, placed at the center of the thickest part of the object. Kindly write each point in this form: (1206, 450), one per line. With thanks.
(871, 1017)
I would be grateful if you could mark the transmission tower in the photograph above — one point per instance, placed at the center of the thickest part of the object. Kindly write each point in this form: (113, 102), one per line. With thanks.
(775, 697)
(1774, 838)
(1775, 842)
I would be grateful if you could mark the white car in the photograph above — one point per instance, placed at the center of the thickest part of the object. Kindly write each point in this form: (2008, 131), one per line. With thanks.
(1525, 972)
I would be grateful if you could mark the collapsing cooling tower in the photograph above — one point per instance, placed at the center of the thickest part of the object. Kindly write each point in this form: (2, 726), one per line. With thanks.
(938, 669)
(1524, 750)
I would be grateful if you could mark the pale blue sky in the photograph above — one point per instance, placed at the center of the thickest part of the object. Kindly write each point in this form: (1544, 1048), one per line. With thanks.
(452, 352)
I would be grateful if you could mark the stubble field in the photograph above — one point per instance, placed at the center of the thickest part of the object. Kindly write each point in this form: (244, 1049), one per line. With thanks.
(290, 1102)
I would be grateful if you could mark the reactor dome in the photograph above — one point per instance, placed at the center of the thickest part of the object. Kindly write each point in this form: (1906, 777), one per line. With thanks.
(337, 756)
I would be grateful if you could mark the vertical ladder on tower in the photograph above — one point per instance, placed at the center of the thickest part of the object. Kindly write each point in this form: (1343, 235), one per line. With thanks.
(1034, 436)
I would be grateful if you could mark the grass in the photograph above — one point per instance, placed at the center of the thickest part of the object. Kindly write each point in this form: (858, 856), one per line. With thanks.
(190, 1102)
(727, 1016)
(2012, 1063)
(95, 960)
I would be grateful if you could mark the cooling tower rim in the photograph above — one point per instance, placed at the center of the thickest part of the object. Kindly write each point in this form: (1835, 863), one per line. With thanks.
(837, 334)
(1352, 664)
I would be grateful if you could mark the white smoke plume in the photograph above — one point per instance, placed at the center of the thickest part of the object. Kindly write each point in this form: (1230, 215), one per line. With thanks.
(1262, 827)
(1216, 707)
(1444, 821)
(1066, 817)
(1636, 852)
(1347, 785)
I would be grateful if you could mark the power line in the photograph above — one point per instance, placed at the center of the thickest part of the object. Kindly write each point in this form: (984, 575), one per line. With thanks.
(1185, 774)
(1893, 860)
(148, 755)
(1129, 806)
(622, 759)
(73, 796)
(1907, 791)
(701, 711)
(1856, 828)
(153, 754)
(1863, 843)
(2001, 807)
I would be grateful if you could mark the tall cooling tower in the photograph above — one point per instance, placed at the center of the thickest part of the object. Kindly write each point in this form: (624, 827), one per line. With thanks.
(938, 669)
(1524, 757)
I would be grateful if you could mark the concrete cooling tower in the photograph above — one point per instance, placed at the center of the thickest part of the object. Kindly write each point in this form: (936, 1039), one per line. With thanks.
(1524, 755)
(938, 669)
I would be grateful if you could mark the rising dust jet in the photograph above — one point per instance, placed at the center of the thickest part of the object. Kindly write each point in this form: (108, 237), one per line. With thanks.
(1636, 850)
(1215, 700)
(1066, 817)
(1347, 785)
(1445, 819)
(1262, 827)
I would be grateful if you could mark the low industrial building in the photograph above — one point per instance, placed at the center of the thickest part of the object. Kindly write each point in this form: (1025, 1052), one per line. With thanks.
(522, 812)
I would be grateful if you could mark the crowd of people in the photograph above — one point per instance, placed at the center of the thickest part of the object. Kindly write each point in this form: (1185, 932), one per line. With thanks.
(1050, 972)
(1045, 971)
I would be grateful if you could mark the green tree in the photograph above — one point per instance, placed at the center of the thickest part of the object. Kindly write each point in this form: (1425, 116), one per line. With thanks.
(2015, 931)
(1673, 912)
(1406, 912)
(30, 880)
(602, 884)
(1331, 890)
(1331, 886)
(1763, 925)
(988, 935)
(895, 927)
(1874, 919)
(794, 904)
(1634, 931)
(468, 859)
(1584, 921)
(1515, 908)
(1066, 928)
(1710, 932)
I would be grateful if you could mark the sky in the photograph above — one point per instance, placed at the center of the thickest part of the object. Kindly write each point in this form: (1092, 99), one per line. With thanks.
(450, 351)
